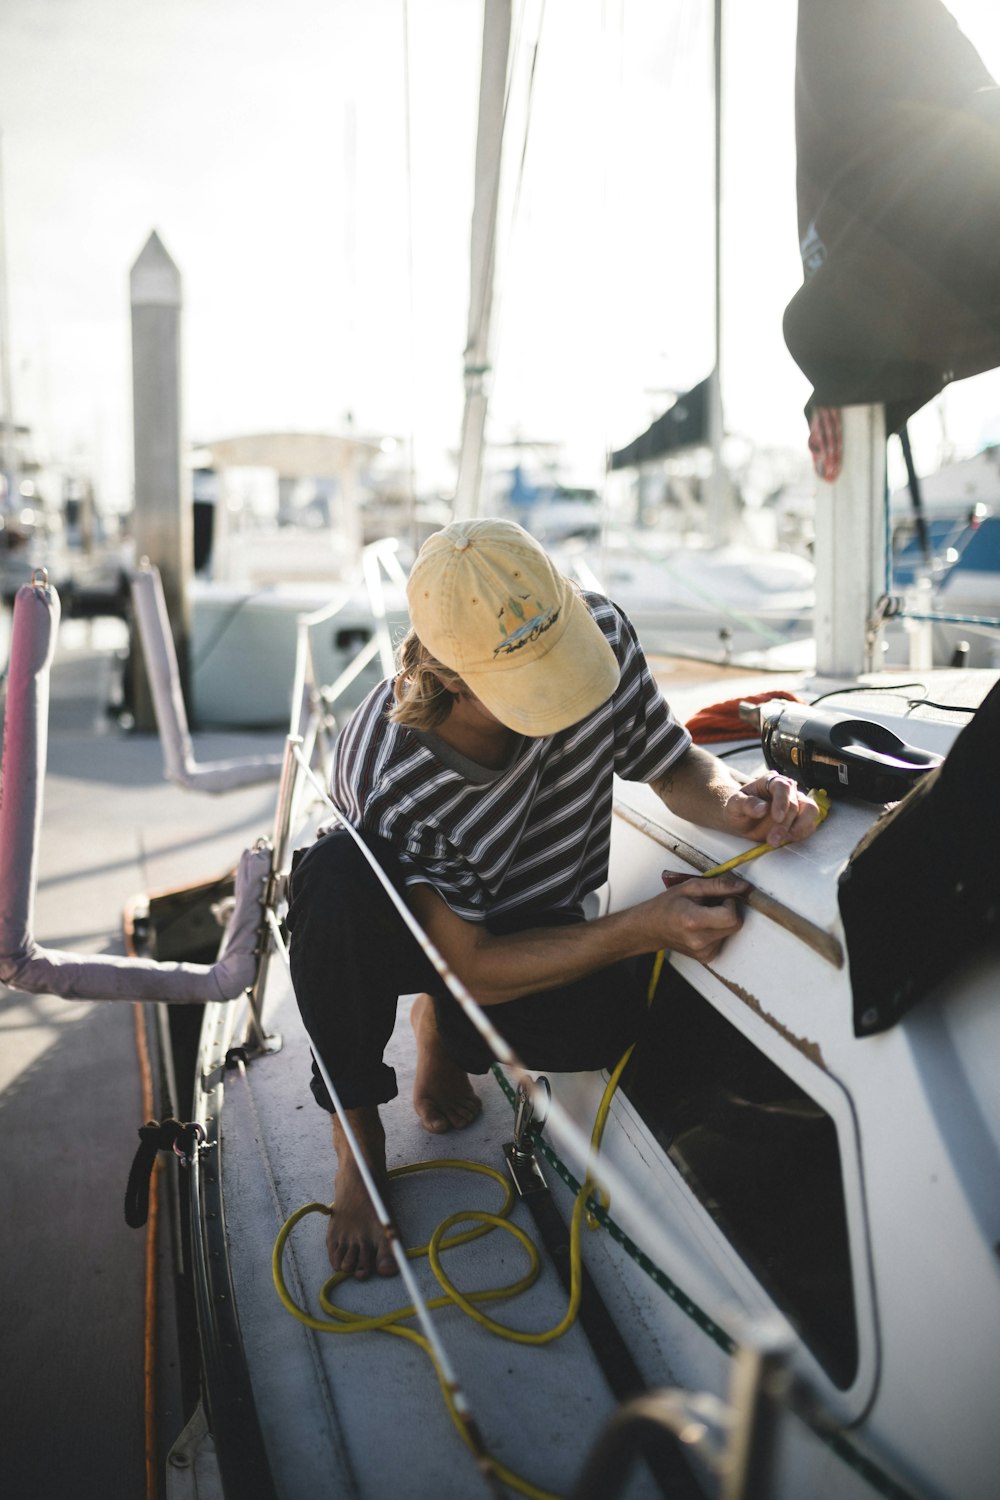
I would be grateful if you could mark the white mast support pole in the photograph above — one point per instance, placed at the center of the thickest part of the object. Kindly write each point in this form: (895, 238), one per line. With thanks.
(850, 550)
(163, 517)
(489, 142)
(717, 517)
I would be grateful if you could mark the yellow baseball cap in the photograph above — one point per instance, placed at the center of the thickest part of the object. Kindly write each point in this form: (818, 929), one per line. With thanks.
(487, 601)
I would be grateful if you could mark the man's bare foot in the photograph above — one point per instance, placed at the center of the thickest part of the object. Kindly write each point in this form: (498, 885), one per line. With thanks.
(443, 1097)
(356, 1241)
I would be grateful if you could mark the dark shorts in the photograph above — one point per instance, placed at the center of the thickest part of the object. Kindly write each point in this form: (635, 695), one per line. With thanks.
(352, 956)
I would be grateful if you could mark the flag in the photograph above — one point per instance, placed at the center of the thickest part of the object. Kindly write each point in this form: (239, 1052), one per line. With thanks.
(683, 425)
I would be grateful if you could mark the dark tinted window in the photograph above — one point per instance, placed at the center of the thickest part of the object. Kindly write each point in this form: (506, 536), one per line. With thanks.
(762, 1157)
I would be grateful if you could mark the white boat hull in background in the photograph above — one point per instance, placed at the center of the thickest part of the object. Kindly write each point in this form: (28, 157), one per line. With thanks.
(243, 645)
(720, 603)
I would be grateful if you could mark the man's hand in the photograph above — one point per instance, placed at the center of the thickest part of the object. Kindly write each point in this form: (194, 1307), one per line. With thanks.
(771, 809)
(696, 914)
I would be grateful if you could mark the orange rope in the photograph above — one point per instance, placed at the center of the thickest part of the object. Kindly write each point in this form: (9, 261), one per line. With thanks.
(721, 721)
(149, 1304)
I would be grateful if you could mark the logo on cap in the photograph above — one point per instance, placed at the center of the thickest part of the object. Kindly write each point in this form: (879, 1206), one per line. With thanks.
(528, 630)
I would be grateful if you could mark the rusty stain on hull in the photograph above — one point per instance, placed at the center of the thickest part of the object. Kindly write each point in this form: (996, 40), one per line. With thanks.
(809, 1050)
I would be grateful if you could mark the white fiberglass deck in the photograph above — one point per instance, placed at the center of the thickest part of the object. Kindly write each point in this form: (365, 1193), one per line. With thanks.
(362, 1414)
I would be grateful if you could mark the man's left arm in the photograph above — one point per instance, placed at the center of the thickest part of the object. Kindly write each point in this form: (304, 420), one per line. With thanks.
(769, 809)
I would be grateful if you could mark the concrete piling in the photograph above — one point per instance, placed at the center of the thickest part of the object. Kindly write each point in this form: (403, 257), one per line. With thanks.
(162, 516)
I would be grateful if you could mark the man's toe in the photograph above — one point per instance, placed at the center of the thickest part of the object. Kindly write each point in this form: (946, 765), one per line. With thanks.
(385, 1265)
(467, 1110)
(431, 1116)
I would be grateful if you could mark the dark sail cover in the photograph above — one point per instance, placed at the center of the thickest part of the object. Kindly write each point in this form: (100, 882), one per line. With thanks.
(920, 896)
(897, 126)
(684, 425)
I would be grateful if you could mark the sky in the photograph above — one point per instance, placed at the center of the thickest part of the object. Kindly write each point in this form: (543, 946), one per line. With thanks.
(308, 165)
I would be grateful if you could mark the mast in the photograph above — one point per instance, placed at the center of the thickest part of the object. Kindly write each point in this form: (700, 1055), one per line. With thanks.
(492, 93)
(8, 430)
(716, 516)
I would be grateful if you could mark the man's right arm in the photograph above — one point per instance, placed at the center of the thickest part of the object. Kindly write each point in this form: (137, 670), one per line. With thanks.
(694, 919)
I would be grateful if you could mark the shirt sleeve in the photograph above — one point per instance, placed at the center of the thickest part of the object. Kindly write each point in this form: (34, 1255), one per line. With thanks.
(358, 755)
(648, 738)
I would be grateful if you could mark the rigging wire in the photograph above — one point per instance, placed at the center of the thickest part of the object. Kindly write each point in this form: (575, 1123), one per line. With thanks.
(594, 1191)
(408, 174)
(589, 1200)
(222, 627)
(559, 1120)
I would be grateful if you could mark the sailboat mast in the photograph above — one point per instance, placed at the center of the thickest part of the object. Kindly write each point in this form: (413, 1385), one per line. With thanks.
(716, 497)
(492, 94)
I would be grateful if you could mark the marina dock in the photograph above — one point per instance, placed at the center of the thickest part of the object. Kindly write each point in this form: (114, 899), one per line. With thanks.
(71, 1103)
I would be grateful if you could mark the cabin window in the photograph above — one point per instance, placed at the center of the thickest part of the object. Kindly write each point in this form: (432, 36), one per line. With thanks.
(761, 1156)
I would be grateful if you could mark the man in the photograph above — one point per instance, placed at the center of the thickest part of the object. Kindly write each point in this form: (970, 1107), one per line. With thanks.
(481, 779)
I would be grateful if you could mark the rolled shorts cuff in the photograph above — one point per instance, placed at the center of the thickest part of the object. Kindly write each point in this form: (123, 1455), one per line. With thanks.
(377, 1086)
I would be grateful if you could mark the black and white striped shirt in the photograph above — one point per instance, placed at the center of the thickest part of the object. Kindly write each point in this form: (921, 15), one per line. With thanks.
(534, 836)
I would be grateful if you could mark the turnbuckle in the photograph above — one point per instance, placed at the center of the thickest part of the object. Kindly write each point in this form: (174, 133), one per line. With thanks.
(519, 1154)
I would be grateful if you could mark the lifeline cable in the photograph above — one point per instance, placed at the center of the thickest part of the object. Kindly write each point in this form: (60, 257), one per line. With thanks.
(342, 1322)
(575, 1141)
(504, 1054)
(854, 1459)
(572, 1138)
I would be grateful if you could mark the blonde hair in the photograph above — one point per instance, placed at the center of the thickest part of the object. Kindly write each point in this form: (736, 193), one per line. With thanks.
(421, 687)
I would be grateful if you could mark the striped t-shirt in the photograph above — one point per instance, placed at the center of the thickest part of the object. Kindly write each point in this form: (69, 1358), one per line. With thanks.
(536, 835)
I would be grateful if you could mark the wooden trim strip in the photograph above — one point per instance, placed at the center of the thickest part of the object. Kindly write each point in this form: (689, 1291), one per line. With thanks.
(822, 942)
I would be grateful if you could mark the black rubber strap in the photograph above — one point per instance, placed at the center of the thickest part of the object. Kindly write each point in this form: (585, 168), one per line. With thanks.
(154, 1136)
